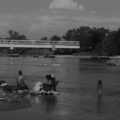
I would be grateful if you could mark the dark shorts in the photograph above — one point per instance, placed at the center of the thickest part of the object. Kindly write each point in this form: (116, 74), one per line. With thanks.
(22, 87)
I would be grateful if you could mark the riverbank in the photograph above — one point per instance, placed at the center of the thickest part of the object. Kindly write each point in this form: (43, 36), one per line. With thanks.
(40, 56)
(85, 55)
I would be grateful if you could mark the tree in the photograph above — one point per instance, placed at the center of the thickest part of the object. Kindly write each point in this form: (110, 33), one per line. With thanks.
(22, 37)
(90, 38)
(10, 32)
(117, 38)
(44, 38)
(97, 36)
(84, 35)
(71, 35)
(55, 38)
(110, 46)
(14, 35)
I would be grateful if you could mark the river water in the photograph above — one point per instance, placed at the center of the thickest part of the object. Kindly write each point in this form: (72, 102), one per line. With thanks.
(78, 95)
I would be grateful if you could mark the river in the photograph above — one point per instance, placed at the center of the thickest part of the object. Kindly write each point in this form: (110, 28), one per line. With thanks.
(78, 95)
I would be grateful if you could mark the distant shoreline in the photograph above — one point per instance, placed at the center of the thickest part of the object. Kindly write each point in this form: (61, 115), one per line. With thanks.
(60, 56)
(57, 56)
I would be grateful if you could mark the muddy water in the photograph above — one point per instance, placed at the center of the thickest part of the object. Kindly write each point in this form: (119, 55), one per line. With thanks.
(78, 96)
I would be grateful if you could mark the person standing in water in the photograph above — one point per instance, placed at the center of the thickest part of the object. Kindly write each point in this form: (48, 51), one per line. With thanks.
(99, 88)
(20, 81)
(54, 83)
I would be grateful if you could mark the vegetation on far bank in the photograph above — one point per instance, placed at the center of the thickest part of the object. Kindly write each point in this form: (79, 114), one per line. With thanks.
(96, 41)
(93, 41)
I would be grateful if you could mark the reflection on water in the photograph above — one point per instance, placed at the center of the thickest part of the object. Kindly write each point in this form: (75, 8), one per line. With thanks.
(18, 104)
(47, 103)
(99, 105)
(99, 101)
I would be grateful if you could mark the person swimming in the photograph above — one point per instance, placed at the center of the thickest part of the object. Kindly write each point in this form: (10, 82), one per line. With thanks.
(99, 88)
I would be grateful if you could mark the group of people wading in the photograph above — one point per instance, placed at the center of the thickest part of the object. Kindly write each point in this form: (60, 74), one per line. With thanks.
(52, 82)
(49, 85)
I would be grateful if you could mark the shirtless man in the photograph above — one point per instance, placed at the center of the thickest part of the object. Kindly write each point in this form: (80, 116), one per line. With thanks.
(20, 81)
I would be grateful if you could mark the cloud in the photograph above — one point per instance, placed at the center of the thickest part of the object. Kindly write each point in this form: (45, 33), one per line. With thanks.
(93, 12)
(41, 24)
(66, 4)
(45, 22)
(5, 21)
(83, 18)
(97, 19)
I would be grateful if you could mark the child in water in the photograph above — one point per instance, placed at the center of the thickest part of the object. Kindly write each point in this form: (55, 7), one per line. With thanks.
(99, 88)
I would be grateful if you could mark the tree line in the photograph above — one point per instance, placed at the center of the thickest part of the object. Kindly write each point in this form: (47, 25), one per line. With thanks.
(101, 41)
(14, 35)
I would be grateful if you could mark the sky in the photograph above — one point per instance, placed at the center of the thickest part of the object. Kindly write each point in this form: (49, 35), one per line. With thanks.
(38, 18)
